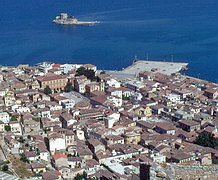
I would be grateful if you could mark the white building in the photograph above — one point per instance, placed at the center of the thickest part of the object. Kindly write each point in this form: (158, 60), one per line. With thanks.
(112, 83)
(15, 127)
(56, 142)
(68, 104)
(80, 134)
(22, 110)
(45, 66)
(67, 67)
(2, 127)
(4, 117)
(111, 119)
(55, 107)
(135, 85)
(117, 101)
(174, 98)
(3, 92)
(90, 67)
(117, 93)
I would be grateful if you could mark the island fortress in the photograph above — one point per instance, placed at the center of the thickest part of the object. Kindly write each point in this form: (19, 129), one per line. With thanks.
(63, 18)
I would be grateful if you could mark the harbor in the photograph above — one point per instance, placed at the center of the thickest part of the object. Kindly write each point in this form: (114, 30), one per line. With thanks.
(138, 66)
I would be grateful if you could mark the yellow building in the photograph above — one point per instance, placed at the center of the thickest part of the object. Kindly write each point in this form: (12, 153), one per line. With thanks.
(142, 111)
(132, 138)
(55, 82)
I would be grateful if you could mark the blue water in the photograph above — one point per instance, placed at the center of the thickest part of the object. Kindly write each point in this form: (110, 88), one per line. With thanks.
(186, 29)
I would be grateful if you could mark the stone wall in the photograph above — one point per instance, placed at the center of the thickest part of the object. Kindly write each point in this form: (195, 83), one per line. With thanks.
(183, 172)
(195, 172)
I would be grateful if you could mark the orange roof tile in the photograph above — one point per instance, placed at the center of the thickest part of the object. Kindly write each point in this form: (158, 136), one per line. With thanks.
(59, 155)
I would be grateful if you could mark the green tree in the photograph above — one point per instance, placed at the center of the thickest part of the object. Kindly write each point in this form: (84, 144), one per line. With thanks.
(80, 71)
(125, 98)
(7, 128)
(93, 178)
(68, 87)
(47, 90)
(84, 174)
(206, 140)
(89, 73)
(23, 158)
(22, 120)
(13, 118)
(69, 155)
(31, 148)
(21, 139)
(78, 177)
(5, 167)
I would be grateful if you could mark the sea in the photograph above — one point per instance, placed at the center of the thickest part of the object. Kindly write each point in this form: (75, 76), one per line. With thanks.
(162, 30)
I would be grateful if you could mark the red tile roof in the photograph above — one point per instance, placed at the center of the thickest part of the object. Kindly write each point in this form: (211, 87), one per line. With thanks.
(56, 65)
(59, 155)
(50, 78)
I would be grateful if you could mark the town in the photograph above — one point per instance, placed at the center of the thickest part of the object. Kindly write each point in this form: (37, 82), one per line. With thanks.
(73, 121)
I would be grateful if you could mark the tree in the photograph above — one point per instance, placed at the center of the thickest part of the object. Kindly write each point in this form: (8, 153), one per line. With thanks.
(84, 174)
(7, 128)
(80, 71)
(79, 177)
(125, 98)
(89, 73)
(13, 118)
(206, 140)
(23, 158)
(93, 178)
(21, 139)
(68, 87)
(69, 155)
(5, 167)
(47, 90)
(22, 120)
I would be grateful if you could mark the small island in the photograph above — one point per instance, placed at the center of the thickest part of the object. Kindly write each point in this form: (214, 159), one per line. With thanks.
(63, 18)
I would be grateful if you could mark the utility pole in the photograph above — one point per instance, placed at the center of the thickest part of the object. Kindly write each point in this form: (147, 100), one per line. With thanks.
(172, 57)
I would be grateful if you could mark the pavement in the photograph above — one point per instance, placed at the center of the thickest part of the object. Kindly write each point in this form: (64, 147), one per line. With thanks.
(138, 66)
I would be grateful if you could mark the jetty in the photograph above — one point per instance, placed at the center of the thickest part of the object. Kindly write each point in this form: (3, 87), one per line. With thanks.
(63, 18)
